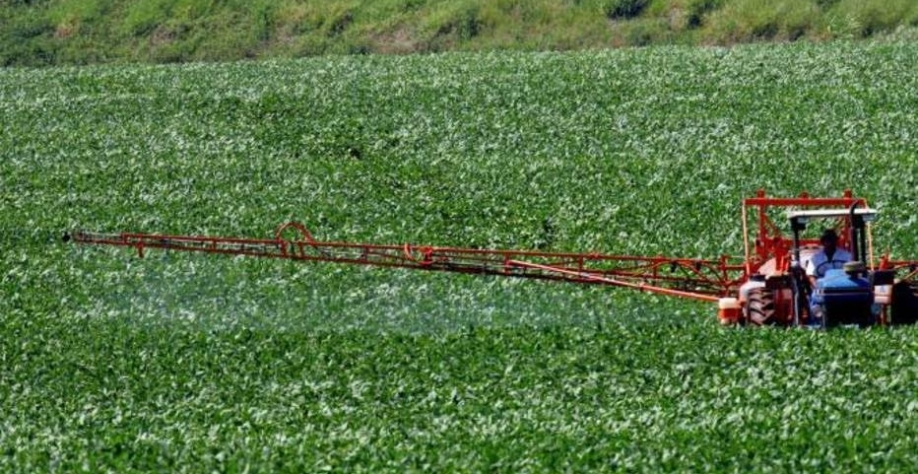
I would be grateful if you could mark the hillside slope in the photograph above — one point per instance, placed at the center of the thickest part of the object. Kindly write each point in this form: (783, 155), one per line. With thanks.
(43, 32)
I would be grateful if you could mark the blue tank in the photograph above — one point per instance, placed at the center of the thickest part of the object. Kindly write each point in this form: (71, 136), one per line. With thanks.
(840, 298)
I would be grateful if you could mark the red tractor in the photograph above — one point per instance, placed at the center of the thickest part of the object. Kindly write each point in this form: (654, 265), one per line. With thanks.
(767, 286)
(857, 290)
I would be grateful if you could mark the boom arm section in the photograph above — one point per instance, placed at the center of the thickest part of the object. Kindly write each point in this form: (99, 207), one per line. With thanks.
(699, 279)
(908, 269)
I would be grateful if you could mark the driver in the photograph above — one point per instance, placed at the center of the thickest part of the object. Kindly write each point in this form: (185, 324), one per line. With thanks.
(828, 258)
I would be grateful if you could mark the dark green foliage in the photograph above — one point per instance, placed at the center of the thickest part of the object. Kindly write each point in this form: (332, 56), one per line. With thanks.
(340, 23)
(697, 9)
(27, 41)
(623, 9)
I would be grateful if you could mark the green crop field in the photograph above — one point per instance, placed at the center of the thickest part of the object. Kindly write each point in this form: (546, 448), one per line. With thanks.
(195, 363)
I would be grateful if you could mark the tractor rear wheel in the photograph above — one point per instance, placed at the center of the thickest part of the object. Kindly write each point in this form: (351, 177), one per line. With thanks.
(760, 307)
(905, 303)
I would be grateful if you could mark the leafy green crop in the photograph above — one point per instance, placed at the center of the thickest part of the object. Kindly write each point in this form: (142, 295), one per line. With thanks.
(189, 363)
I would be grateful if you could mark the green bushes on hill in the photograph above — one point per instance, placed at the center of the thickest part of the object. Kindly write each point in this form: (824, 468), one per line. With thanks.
(37, 32)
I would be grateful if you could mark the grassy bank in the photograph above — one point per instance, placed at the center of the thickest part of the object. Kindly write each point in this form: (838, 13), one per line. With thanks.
(44, 32)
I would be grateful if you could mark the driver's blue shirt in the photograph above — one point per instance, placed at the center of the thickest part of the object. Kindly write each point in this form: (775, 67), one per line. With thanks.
(819, 263)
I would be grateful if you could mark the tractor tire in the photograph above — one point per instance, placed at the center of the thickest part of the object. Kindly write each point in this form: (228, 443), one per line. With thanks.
(905, 303)
(760, 308)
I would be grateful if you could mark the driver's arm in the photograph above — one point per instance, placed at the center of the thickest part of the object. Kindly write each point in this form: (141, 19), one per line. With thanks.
(811, 272)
